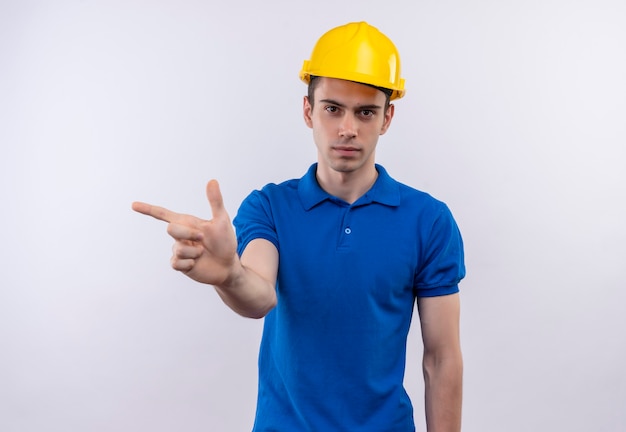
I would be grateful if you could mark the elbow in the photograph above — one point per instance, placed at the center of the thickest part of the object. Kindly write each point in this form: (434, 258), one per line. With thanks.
(447, 361)
(259, 311)
(256, 305)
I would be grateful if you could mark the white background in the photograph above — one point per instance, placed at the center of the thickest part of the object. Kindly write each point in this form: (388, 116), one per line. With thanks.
(515, 115)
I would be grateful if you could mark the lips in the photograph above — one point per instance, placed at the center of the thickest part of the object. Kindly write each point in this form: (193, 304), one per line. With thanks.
(346, 150)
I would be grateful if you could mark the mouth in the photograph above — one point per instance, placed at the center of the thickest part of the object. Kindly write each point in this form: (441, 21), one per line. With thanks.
(345, 150)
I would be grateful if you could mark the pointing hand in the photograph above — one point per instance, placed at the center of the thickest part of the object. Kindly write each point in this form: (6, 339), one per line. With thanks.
(204, 250)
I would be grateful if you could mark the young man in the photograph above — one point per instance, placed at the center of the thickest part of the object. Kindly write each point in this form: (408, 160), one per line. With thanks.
(336, 260)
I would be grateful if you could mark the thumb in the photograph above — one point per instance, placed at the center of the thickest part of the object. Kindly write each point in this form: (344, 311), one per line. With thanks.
(215, 199)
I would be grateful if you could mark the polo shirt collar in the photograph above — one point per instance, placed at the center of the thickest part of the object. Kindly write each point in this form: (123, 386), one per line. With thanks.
(385, 190)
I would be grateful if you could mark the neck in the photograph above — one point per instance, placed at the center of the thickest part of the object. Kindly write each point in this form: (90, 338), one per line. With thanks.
(348, 186)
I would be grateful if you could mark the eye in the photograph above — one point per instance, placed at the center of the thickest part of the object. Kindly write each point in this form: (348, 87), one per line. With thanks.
(331, 109)
(367, 113)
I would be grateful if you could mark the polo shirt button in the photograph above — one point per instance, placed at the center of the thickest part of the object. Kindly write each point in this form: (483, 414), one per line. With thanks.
(347, 230)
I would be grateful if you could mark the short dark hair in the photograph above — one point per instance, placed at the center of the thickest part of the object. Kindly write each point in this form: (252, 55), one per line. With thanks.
(313, 81)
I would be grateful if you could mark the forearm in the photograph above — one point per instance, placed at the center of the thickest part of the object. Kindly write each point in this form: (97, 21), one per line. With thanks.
(248, 294)
(443, 376)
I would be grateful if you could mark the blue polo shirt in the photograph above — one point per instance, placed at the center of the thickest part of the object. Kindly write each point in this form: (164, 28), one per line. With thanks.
(333, 351)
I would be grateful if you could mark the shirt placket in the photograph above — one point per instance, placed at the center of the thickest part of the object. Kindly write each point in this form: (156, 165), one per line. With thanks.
(346, 233)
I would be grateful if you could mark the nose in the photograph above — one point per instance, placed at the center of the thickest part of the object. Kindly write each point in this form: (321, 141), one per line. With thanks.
(348, 127)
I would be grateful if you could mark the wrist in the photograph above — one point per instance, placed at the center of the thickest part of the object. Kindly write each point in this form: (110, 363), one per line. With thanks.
(234, 275)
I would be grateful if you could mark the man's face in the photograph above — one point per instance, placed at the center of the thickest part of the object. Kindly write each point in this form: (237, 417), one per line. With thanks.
(347, 118)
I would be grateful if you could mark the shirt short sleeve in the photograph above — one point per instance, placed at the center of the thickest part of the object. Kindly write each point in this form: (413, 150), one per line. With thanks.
(443, 258)
(254, 220)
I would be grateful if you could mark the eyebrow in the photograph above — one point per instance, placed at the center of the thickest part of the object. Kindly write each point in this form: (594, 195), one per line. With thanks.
(361, 107)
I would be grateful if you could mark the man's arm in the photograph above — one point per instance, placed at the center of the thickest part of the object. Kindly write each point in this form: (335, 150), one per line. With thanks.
(443, 362)
(253, 293)
(206, 251)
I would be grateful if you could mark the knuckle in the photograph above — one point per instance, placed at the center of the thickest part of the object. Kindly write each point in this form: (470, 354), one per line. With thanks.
(182, 265)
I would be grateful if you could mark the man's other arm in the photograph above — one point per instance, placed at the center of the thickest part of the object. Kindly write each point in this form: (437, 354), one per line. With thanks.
(443, 362)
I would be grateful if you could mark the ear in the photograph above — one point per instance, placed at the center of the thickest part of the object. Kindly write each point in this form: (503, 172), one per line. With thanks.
(387, 119)
(307, 112)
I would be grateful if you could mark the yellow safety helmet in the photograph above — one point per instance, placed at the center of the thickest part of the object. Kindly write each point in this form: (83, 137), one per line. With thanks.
(356, 52)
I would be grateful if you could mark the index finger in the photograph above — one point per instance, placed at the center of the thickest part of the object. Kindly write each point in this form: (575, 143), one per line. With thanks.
(156, 212)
